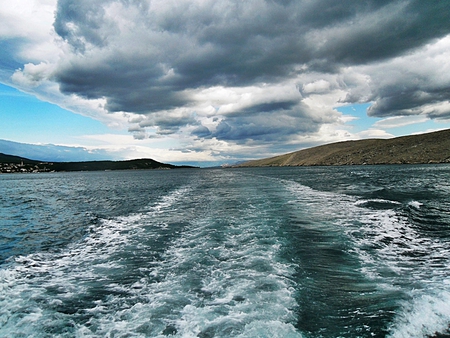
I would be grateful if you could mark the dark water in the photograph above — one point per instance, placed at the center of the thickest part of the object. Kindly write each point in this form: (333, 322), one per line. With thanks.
(271, 252)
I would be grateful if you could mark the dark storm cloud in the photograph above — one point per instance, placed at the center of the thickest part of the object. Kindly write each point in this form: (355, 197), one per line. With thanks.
(79, 22)
(265, 123)
(414, 84)
(201, 132)
(263, 127)
(128, 84)
(144, 57)
(380, 29)
(408, 101)
(269, 107)
(168, 123)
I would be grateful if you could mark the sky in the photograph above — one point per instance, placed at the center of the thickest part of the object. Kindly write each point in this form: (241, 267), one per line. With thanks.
(210, 82)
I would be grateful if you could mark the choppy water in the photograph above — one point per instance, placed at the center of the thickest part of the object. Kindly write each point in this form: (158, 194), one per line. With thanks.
(270, 252)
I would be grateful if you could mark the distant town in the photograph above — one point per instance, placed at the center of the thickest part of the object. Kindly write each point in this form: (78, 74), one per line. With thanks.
(7, 168)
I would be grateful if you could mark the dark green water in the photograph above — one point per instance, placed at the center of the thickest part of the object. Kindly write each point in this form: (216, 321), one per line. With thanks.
(270, 252)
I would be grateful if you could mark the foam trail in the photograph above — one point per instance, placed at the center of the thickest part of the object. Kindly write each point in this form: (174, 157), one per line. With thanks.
(241, 288)
(165, 271)
(393, 253)
(234, 253)
(47, 292)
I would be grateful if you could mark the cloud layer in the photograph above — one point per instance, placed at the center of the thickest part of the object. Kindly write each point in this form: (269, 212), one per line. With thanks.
(51, 153)
(249, 73)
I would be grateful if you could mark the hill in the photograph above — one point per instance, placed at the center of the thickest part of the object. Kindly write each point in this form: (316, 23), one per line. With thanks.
(4, 158)
(416, 149)
(10, 163)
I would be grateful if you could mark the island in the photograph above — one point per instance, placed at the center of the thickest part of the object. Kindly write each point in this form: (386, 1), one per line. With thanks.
(16, 164)
(431, 147)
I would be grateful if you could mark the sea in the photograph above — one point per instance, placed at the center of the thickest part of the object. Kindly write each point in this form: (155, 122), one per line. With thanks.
(351, 251)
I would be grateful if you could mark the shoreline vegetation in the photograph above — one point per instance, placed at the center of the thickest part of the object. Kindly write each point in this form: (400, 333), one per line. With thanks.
(16, 164)
(426, 148)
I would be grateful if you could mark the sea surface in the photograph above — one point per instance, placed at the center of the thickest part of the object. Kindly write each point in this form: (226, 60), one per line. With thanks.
(356, 251)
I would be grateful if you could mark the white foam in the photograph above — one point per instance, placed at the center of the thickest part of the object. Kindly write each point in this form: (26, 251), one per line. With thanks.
(393, 254)
(242, 285)
(415, 204)
(427, 315)
(377, 201)
(269, 329)
(228, 283)
(24, 282)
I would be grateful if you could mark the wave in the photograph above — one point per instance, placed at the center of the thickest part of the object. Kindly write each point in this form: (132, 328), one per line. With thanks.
(168, 270)
(237, 254)
(415, 204)
(377, 203)
(403, 261)
(426, 315)
(61, 291)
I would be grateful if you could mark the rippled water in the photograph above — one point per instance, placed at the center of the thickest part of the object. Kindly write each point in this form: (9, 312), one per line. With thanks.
(269, 252)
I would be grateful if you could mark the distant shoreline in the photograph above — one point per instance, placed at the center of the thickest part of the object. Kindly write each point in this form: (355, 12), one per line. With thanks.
(429, 148)
(15, 164)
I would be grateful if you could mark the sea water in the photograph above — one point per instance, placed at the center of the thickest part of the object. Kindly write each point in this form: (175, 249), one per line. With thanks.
(358, 251)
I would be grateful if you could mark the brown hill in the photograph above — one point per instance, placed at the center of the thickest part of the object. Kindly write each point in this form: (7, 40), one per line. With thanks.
(424, 148)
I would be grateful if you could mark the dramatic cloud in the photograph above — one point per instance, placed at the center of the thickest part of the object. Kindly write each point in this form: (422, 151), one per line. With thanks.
(247, 73)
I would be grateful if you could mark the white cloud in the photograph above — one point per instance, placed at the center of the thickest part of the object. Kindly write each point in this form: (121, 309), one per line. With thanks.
(374, 133)
(400, 121)
(32, 75)
(30, 21)
(319, 86)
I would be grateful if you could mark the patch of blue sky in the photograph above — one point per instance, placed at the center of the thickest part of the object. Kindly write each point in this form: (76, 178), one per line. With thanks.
(359, 111)
(24, 118)
(396, 126)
